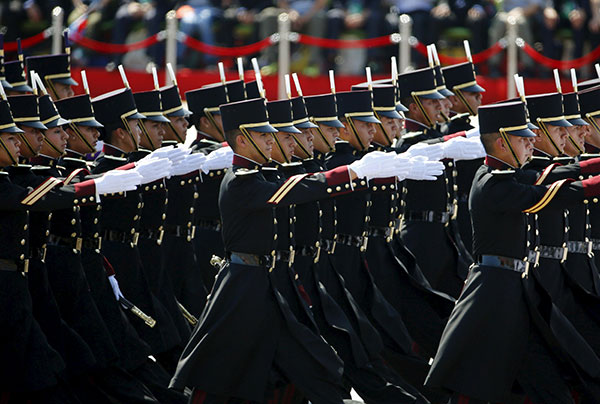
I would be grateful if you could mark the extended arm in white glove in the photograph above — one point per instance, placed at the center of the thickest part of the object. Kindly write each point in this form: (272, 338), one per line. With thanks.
(431, 151)
(117, 181)
(153, 169)
(191, 162)
(460, 148)
(218, 159)
(376, 164)
(423, 169)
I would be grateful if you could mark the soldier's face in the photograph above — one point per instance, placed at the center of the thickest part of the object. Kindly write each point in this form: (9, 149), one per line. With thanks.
(135, 131)
(90, 134)
(522, 146)
(472, 98)
(62, 91)
(306, 140)
(35, 138)
(288, 145)
(365, 132)
(330, 133)
(433, 108)
(12, 143)
(58, 137)
(558, 134)
(156, 133)
(445, 105)
(391, 127)
(264, 141)
(578, 134)
(180, 125)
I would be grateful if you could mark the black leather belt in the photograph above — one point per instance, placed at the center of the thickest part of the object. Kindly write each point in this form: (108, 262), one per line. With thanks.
(595, 244)
(92, 243)
(328, 246)
(14, 266)
(553, 253)
(153, 234)
(385, 232)
(580, 247)
(430, 216)
(512, 264)
(313, 251)
(75, 243)
(121, 236)
(181, 231)
(268, 261)
(38, 253)
(210, 224)
(353, 241)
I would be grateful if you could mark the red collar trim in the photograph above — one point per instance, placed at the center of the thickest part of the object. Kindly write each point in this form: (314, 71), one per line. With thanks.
(496, 164)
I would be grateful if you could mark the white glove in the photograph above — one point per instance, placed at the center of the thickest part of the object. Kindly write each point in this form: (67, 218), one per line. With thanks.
(473, 133)
(431, 151)
(218, 159)
(174, 154)
(375, 164)
(460, 148)
(117, 181)
(153, 169)
(402, 165)
(423, 169)
(191, 162)
(115, 287)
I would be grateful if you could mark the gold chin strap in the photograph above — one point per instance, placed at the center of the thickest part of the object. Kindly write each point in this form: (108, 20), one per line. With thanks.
(509, 144)
(179, 139)
(209, 114)
(130, 132)
(53, 146)
(417, 100)
(385, 133)
(590, 118)
(280, 147)
(353, 128)
(75, 129)
(462, 98)
(575, 145)
(24, 139)
(308, 154)
(246, 133)
(13, 158)
(145, 132)
(544, 128)
(320, 132)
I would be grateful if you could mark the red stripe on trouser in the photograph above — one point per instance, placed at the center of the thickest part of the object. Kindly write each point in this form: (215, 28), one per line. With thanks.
(4, 397)
(463, 399)
(527, 400)
(275, 398)
(199, 397)
(289, 394)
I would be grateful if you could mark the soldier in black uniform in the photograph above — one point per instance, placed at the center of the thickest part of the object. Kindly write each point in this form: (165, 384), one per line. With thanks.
(430, 205)
(55, 71)
(206, 118)
(120, 221)
(31, 369)
(133, 351)
(517, 344)
(461, 79)
(245, 300)
(5, 85)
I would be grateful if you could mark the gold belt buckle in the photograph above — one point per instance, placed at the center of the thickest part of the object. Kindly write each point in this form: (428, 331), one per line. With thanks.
(590, 252)
(565, 253)
(150, 322)
(292, 256)
(44, 249)
(78, 244)
(318, 254)
(99, 244)
(26, 265)
(365, 242)
(273, 260)
(136, 237)
(161, 233)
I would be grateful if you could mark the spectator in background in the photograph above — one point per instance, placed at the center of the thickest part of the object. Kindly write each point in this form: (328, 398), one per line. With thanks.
(570, 14)
(199, 16)
(420, 12)
(366, 15)
(307, 16)
(240, 13)
(525, 12)
(472, 14)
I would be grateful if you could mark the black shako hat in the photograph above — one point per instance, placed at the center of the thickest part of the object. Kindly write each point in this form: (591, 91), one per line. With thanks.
(235, 90)
(511, 117)
(7, 124)
(461, 77)
(48, 113)
(280, 116)
(571, 108)
(419, 83)
(384, 99)
(589, 102)
(356, 105)
(399, 106)
(246, 114)
(547, 109)
(148, 104)
(115, 107)
(323, 109)
(3, 81)
(171, 102)
(300, 115)
(207, 98)
(440, 83)
(78, 110)
(25, 110)
(252, 90)
(51, 68)
(16, 76)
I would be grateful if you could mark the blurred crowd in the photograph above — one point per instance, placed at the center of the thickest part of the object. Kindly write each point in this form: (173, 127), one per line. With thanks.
(557, 28)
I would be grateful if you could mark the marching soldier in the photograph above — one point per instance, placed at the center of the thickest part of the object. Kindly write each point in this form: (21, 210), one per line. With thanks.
(55, 71)
(15, 74)
(516, 343)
